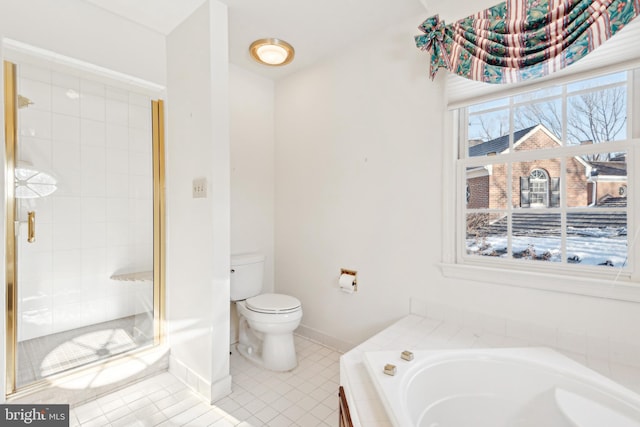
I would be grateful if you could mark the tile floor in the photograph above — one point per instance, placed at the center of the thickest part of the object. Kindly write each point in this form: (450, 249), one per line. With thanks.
(305, 397)
(43, 356)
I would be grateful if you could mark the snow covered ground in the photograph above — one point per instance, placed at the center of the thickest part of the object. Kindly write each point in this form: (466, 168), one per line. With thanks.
(598, 247)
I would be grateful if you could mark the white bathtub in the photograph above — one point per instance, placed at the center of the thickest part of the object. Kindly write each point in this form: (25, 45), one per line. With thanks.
(518, 387)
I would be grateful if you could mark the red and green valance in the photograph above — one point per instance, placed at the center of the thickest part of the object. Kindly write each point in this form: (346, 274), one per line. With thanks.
(523, 39)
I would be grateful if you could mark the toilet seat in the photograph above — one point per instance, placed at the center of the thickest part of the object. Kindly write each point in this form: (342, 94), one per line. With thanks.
(273, 304)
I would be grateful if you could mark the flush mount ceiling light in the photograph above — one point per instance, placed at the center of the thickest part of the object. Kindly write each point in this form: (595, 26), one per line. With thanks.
(272, 51)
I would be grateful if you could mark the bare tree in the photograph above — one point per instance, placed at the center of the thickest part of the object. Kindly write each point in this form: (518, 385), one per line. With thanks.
(592, 117)
(491, 127)
(597, 116)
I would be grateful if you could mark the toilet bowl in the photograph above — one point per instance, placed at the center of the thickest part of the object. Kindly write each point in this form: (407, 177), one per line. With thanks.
(266, 321)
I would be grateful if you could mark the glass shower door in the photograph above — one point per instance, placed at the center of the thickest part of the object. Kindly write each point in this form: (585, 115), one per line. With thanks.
(84, 220)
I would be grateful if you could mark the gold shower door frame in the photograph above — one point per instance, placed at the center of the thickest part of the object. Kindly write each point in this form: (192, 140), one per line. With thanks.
(11, 140)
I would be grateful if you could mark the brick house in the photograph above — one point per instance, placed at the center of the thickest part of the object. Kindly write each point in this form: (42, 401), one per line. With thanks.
(537, 184)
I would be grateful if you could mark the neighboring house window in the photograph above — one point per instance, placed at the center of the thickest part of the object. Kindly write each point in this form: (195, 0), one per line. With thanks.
(546, 169)
(538, 189)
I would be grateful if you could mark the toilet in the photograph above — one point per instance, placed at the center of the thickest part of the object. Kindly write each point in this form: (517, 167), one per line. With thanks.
(266, 321)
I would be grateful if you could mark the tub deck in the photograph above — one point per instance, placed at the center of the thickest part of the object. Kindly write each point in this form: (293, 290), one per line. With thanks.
(415, 332)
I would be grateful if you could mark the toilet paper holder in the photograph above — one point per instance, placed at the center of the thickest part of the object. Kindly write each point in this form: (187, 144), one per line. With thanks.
(353, 273)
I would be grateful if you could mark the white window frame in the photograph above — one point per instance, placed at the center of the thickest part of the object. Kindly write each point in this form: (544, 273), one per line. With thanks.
(606, 283)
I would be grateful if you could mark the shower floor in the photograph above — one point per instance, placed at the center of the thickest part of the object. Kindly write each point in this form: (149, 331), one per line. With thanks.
(41, 357)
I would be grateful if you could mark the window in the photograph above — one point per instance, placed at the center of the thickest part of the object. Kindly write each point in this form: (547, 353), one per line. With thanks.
(537, 186)
(544, 176)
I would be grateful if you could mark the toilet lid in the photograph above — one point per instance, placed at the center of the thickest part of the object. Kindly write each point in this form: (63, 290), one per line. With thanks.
(273, 303)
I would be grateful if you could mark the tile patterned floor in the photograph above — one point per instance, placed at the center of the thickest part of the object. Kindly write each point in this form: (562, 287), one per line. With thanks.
(305, 397)
(43, 356)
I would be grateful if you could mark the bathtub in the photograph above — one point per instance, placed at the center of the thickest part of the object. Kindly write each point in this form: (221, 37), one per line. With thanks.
(506, 387)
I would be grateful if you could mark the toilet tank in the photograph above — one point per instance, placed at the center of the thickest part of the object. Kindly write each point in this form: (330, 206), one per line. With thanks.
(246, 275)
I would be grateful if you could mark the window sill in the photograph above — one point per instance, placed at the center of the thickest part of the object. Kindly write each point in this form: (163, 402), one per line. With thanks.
(586, 286)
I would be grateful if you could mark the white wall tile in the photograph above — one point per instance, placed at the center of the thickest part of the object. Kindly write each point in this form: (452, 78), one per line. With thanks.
(66, 210)
(65, 80)
(117, 186)
(117, 136)
(574, 341)
(67, 316)
(139, 117)
(66, 263)
(93, 107)
(93, 209)
(117, 112)
(93, 133)
(141, 210)
(93, 161)
(93, 88)
(65, 100)
(118, 208)
(94, 235)
(598, 347)
(36, 151)
(94, 266)
(140, 141)
(141, 164)
(93, 184)
(65, 128)
(140, 100)
(117, 161)
(66, 165)
(117, 94)
(35, 123)
(36, 323)
(68, 180)
(67, 290)
(44, 210)
(117, 234)
(99, 221)
(94, 311)
(43, 242)
(38, 92)
(35, 294)
(141, 187)
(32, 72)
(37, 267)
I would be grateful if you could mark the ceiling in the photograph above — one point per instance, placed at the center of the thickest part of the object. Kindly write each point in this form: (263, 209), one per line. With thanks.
(316, 29)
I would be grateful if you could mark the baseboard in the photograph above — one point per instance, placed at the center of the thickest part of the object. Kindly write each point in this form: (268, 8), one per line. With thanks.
(324, 339)
(210, 392)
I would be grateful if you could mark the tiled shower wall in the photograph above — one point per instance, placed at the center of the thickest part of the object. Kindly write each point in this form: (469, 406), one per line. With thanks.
(95, 140)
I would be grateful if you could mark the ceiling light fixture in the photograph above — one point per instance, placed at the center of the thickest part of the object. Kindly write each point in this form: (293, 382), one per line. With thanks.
(273, 52)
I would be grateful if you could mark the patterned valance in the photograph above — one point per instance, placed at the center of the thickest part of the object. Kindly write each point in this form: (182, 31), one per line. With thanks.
(523, 39)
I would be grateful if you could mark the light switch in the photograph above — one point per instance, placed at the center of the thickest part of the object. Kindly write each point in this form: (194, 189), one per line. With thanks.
(199, 188)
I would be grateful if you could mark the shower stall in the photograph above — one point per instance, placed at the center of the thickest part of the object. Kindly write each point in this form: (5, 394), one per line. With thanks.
(84, 198)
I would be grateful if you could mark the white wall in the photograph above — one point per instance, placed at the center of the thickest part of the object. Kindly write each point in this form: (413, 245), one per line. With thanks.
(252, 171)
(198, 228)
(358, 149)
(252, 166)
(359, 168)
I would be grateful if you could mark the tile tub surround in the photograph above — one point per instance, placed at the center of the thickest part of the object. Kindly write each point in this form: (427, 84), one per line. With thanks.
(416, 332)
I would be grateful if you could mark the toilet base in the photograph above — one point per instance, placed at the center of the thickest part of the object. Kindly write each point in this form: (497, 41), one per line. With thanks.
(275, 352)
